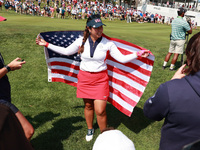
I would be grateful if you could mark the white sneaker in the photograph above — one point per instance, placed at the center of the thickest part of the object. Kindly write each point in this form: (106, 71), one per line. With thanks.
(89, 135)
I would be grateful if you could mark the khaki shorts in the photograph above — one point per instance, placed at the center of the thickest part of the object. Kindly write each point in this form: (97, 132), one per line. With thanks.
(176, 46)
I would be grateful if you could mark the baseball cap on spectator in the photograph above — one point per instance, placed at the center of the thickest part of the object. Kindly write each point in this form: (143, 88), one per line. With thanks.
(113, 139)
(181, 10)
(2, 19)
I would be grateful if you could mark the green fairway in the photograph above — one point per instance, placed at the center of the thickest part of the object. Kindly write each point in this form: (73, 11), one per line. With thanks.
(52, 108)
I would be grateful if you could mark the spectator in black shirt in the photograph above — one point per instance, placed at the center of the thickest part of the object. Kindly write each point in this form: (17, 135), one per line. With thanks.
(5, 95)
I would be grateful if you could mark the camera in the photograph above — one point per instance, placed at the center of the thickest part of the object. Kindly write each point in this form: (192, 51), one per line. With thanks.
(188, 19)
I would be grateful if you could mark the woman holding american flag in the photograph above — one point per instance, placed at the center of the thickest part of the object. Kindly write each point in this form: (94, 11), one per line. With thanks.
(93, 81)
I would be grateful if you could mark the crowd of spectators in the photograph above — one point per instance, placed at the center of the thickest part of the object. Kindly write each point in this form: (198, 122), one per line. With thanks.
(77, 10)
(82, 10)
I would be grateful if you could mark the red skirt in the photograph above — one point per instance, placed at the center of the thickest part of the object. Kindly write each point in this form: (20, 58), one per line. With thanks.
(93, 85)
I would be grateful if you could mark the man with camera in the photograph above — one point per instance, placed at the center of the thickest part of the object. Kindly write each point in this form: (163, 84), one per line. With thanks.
(177, 38)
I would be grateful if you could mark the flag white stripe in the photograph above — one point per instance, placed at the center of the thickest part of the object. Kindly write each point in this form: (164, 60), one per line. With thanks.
(142, 65)
(121, 102)
(63, 60)
(126, 47)
(130, 48)
(128, 69)
(124, 91)
(65, 68)
(62, 76)
(127, 80)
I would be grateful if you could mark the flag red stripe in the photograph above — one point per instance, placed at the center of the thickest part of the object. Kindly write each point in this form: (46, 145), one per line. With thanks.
(65, 64)
(133, 66)
(126, 86)
(124, 42)
(119, 107)
(124, 52)
(64, 81)
(67, 73)
(127, 74)
(122, 96)
(144, 60)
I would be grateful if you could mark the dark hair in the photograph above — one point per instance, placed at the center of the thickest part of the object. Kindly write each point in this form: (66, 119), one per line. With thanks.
(193, 54)
(86, 32)
(179, 13)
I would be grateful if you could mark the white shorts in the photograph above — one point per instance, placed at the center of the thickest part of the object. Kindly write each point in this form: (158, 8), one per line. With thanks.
(176, 46)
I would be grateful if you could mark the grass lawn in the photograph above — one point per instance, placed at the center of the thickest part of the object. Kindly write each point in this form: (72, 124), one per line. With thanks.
(52, 108)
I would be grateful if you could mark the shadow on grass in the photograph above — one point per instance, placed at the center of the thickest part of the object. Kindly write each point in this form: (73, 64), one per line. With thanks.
(135, 123)
(42, 118)
(61, 130)
(95, 126)
(177, 65)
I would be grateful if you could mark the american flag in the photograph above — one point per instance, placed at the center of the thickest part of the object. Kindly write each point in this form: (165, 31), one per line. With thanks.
(127, 82)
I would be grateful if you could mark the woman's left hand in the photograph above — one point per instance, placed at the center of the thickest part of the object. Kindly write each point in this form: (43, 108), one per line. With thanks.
(180, 73)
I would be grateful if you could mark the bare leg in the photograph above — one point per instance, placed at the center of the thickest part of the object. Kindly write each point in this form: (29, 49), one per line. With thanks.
(89, 112)
(100, 109)
(174, 58)
(167, 57)
(28, 128)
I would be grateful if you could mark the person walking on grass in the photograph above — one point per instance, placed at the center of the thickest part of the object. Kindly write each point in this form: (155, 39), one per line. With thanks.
(93, 82)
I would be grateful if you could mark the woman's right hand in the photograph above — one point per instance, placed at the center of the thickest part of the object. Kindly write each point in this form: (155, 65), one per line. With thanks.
(40, 41)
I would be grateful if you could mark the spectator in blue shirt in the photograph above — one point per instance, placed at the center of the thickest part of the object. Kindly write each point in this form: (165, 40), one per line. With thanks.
(178, 102)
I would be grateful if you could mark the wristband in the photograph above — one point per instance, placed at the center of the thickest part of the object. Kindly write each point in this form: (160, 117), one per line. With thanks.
(47, 44)
(8, 68)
